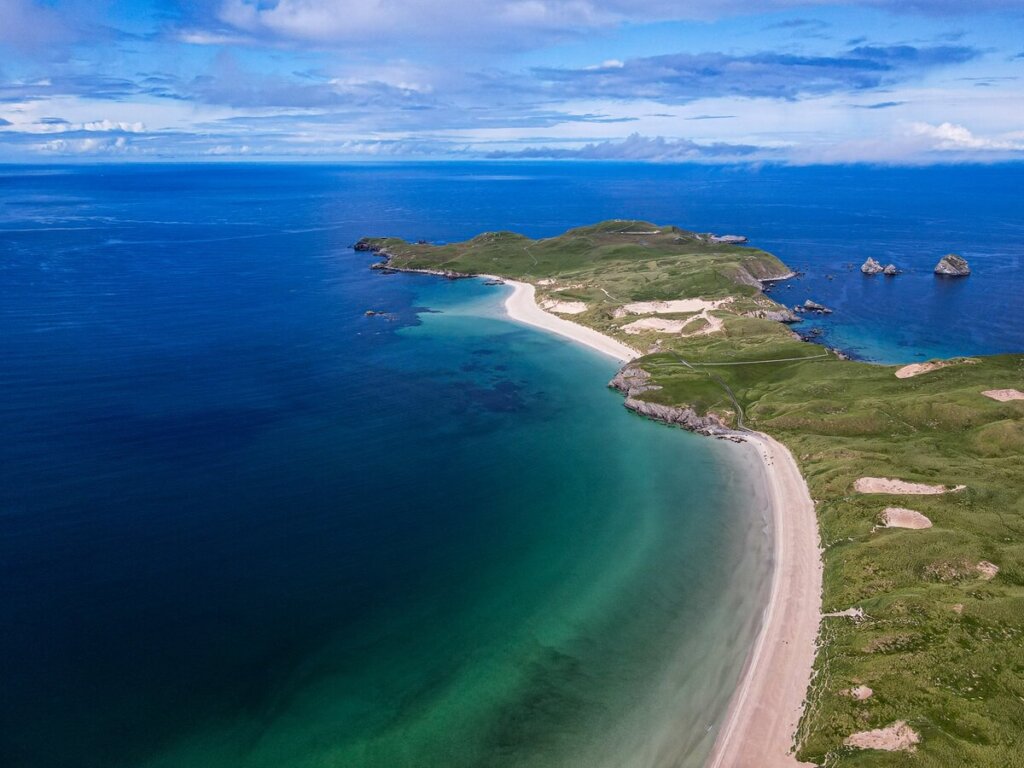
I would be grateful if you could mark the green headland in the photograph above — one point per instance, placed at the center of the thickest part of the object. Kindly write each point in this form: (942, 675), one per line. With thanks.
(927, 646)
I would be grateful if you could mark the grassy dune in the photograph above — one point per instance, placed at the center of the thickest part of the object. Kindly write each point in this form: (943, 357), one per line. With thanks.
(941, 646)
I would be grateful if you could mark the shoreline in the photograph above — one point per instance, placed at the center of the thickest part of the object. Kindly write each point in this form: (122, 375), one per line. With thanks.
(765, 709)
(522, 306)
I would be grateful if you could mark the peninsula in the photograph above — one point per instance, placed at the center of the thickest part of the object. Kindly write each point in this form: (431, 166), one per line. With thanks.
(917, 627)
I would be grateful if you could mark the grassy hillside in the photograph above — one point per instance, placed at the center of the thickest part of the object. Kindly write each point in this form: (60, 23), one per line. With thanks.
(941, 646)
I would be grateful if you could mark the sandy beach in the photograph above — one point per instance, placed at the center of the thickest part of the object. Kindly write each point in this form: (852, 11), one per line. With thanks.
(759, 727)
(522, 306)
(764, 713)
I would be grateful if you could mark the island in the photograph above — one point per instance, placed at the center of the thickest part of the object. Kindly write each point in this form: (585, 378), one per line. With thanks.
(909, 479)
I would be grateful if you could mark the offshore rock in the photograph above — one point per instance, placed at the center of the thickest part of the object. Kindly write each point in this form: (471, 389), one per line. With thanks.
(813, 306)
(952, 265)
(871, 267)
(890, 270)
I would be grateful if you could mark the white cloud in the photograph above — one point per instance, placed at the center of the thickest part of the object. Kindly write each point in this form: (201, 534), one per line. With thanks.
(949, 136)
(85, 146)
(471, 22)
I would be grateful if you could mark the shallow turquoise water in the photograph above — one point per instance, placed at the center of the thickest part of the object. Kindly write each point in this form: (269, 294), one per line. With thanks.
(601, 619)
(247, 525)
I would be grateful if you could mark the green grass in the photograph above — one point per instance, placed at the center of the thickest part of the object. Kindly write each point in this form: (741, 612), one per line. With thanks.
(957, 676)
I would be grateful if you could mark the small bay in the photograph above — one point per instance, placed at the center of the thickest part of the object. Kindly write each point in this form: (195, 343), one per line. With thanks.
(245, 523)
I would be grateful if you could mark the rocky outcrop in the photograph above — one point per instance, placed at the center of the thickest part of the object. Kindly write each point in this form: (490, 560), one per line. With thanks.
(813, 306)
(890, 270)
(728, 239)
(687, 418)
(952, 265)
(780, 315)
(633, 380)
(871, 267)
(388, 265)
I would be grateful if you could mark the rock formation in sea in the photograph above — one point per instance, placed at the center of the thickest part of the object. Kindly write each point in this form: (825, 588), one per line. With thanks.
(871, 267)
(952, 265)
(813, 306)
(890, 270)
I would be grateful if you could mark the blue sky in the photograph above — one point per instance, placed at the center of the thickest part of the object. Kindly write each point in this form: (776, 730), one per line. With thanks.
(717, 81)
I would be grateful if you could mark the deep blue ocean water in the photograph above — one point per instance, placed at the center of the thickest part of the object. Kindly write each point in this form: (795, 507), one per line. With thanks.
(241, 523)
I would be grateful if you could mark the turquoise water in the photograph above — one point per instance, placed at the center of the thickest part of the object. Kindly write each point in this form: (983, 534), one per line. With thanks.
(244, 524)
(598, 615)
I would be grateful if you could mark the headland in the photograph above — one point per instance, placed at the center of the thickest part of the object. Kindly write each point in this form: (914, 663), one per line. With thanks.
(717, 358)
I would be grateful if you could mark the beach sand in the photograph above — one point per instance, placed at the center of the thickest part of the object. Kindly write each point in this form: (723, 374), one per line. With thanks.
(522, 306)
(765, 710)
(763, 716)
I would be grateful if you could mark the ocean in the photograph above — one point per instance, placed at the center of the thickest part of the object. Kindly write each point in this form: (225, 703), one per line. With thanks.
(245, 524)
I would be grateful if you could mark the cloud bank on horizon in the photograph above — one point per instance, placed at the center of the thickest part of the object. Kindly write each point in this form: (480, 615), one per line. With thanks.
(715, 81)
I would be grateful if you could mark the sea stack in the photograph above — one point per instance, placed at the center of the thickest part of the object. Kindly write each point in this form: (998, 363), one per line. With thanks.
(952, 265)
(871, 267)
(890, 270)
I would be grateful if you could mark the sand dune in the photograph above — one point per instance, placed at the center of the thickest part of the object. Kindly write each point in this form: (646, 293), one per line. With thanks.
(892, 486)
(916, 369)
(896, 737)
(564, 307)
(670, 307)
(1004, 395)
(898, 517)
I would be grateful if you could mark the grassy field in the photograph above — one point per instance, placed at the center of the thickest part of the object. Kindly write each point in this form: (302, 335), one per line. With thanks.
(940, 645)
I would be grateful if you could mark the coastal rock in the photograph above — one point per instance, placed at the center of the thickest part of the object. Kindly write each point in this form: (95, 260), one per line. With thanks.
(728, 239)
(632, 380)
(890, 270)
(871, 267)
(687, 418)
(813, 306)
(365, 245)
(952, 265)
(781, 315)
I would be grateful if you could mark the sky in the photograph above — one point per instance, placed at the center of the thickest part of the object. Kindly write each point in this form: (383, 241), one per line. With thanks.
(901, 82)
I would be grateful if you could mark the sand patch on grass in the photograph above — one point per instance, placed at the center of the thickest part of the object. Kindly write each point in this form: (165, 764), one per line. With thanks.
(987, 570)
(714, 325)
(656, 324)
(670, 307)
(860, 693)
(916, 369)
(564, 307)
(1004, 395)
(896, 737)
(890, 485)
(664, 325)
(899, 517)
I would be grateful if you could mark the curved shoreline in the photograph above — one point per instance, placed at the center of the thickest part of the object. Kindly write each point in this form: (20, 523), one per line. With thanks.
(522, 305)
(764, 712)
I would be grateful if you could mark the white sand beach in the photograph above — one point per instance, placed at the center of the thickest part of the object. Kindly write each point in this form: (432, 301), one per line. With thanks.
(522, 306)
(762, 718)
(766, 708)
